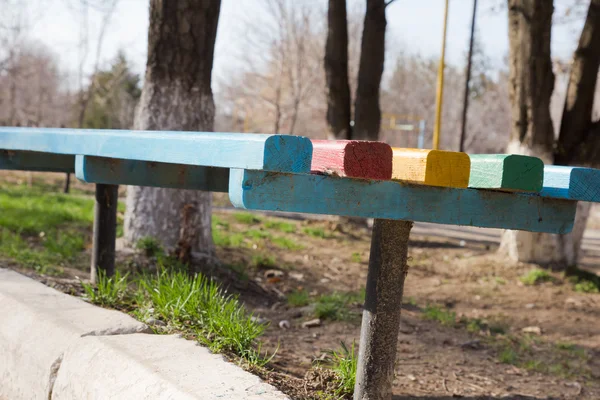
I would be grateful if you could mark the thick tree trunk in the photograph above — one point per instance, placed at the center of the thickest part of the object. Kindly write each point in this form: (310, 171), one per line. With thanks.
(578, 142)
(367, 114)
(177, 95)
(336, 72)
(531, 83)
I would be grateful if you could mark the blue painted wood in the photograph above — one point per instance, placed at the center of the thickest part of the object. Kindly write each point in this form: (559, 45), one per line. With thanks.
(395, 200)
(573, 183)
(145, 173)
(282, 153)
(34, 161)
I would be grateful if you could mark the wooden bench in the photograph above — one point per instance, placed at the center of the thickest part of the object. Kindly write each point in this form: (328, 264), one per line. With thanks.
(295, 174)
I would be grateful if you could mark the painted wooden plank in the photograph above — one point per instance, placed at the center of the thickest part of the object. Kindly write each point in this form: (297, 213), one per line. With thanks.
(145, 173)
(34, 161)
(432, 167)
(283, 153)
(321, 194)
(509, 172)
(574, 183)
(352, 158)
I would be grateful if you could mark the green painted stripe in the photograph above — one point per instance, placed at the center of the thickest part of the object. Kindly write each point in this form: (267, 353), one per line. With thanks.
(508, 172)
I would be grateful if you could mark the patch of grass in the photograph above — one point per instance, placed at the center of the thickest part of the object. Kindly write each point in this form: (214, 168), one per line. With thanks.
(316, 232)
(343, 363)
(263, 261)
(150, 246)
(499, 280)
(285, 243)
(536, 276)
(226, 239)
(257, 234)
(199, 304)
(335, 306)
(217, 222)
(247, 218)
(285, 227)
(298, 298)
(108, 291)
(439, 314)
(585, 286)
(239, 269)
(508, 356)
(356, 257)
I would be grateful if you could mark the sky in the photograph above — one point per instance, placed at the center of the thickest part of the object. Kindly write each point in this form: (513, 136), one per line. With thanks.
(414, 26)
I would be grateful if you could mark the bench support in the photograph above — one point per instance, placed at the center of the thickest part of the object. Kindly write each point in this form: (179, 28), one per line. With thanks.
(105, 230)
(381, 315)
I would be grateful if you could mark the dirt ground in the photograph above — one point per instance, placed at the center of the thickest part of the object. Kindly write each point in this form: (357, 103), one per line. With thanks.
(434, 360)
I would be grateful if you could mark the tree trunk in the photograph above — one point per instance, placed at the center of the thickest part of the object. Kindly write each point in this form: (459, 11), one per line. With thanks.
(336, 72)
(577, 141)
(531, 84)
(367, 114)
(177, 95)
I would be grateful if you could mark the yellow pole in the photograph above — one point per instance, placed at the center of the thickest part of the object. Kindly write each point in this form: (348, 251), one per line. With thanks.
(440, 87)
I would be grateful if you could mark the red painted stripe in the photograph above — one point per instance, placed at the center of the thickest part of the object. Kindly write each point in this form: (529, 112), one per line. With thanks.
(352, 158)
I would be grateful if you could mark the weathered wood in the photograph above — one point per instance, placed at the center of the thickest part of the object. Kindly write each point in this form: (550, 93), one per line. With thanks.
(432, 167)
(144, 173)
(352, 158)
(573, 183)
(105, 231)
(509, 172)
(321, 194)
(36, 161)
(381, 314)
(281, 153)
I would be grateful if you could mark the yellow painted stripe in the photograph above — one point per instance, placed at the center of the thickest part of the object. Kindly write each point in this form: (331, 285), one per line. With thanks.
(432, 167)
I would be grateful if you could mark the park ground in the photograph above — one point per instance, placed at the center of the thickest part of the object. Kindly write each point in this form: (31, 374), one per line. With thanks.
(473, 324)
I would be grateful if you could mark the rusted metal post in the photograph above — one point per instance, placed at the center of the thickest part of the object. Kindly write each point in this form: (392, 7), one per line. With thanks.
(381, 315)
(105, 230)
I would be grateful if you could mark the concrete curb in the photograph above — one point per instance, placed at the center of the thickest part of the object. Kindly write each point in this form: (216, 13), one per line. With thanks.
(55, 346)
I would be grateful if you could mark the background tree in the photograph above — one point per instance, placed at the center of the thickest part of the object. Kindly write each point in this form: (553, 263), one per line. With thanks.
(532, 133)
(177, 95)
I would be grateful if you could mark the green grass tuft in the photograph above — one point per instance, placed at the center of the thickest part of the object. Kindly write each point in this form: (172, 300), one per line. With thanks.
(585, 286)
(247, 218)
(150, 246)
(298, 298)
(536, 276)
(343, 363)
(198, 303)
(316, 232)
(108, 292)
(285, 243)
(263, 261)
(285, 227)
(356, 257)
(441, 315)
(335, 306)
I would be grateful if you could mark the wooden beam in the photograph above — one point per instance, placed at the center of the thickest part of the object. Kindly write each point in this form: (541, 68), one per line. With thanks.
(35, 161)
(432, 167)
(352, 158)
(508, 172)
(320, 194)
(573, 183)
(280, 153)
(144, 173)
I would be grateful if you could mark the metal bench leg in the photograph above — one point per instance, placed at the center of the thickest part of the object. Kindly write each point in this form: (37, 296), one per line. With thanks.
(381, 315)
(105, 230)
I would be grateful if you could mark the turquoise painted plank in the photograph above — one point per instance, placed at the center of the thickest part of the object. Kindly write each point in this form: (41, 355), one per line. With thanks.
(145, 173)
(282, 153)
(394, 200)
(34, 161)
(573, 183)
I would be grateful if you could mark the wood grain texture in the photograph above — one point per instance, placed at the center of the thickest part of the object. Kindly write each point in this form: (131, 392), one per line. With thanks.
(282, 153)
(320, 194)
(34, 161)
(508, 172)
(431, 167)
(352, 158)
(574, 183)
(144, 173)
